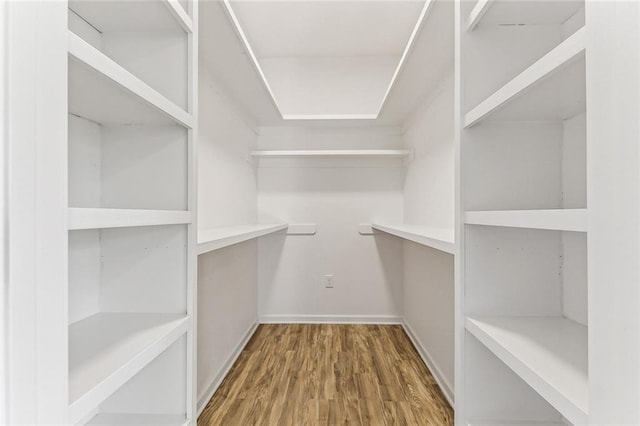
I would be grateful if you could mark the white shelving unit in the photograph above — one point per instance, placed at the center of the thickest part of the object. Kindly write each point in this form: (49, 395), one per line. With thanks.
(132, 234)
(437, 238)
(522, 299)
(217, 238)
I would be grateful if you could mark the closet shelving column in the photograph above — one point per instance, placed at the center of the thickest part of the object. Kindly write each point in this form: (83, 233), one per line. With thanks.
(522, 318)
(132, 78)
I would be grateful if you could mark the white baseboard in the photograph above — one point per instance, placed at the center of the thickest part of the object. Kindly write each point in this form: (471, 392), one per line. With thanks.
(441, 379)
(330, 319)
(213, 387)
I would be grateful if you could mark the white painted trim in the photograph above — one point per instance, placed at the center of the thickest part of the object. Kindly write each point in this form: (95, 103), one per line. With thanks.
(252, 56)
(330, 319)
(329, 116)
(556, 59)
(180, 15)
(215, 384)
(365, 229)
(403, 59)
(441, 379)
(479, 10)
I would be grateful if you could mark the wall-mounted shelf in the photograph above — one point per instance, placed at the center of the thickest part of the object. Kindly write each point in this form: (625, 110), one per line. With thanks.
(437, 238)
(551, 88)
(217, 238)
(549, 353)
(108, 419)
(97, 218)
(107, 349)
(104, 92)
(332, 153)
(124, 16)
(521, 12)
(555, 219)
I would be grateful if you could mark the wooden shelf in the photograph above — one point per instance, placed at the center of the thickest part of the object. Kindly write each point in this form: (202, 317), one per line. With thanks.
(522, 12)
(437, 238)
(217, 238)
(548, 353)
(97, 218)
(335, 153)
(553, 88)
(107, 349)
(110, 419)
(557, 219)
(103, 91)
(133, 16)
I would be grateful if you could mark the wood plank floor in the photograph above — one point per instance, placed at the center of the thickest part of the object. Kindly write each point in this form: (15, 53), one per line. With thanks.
(310, 374)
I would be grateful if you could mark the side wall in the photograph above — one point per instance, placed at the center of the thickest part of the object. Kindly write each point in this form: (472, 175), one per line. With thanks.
(227, 292)
(336, 195)
(429, 200)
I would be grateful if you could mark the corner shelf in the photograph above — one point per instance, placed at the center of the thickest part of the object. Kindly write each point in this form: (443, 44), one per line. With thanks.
(332, 153)
(551, 88)
(217, 238)
(109, 419)
(107, 349)
(121, 16)
(508, 12)
(549, 353)
(98, 218)
(103, 91)
(555, 219)
(437, 238)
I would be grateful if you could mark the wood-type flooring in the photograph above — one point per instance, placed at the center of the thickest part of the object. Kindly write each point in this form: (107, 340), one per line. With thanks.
(312, 374)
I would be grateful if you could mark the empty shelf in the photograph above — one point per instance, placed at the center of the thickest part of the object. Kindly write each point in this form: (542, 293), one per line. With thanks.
(217, 238)
(107, 349)
(437, 238)
(96, 218)
(335, 153)
(556, 219)
(110, 419)
(553, 88)
(548, 353)
(133, 16)
(103, 91)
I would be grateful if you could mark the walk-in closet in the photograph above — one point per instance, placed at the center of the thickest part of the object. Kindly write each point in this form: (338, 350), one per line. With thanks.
(320, 212)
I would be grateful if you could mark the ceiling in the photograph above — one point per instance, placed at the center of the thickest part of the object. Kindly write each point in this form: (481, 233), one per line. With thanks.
(327, 61)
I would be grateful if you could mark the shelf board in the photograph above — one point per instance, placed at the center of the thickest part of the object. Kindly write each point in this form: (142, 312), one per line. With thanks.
(556, 219)
(126, 419)
(548, 353)
(217, 238)
(98, 218)
(133, 16)
(107, 349)
(437, 238)
(103, 91)
(524, 12)
(553, 88)
(333, 153)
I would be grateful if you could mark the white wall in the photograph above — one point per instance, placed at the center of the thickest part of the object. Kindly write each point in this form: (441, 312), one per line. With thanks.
(337, 195)
(227, 278)
(429, 199)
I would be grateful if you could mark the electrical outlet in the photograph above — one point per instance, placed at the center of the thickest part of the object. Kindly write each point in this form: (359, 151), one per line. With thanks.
(328, 281)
